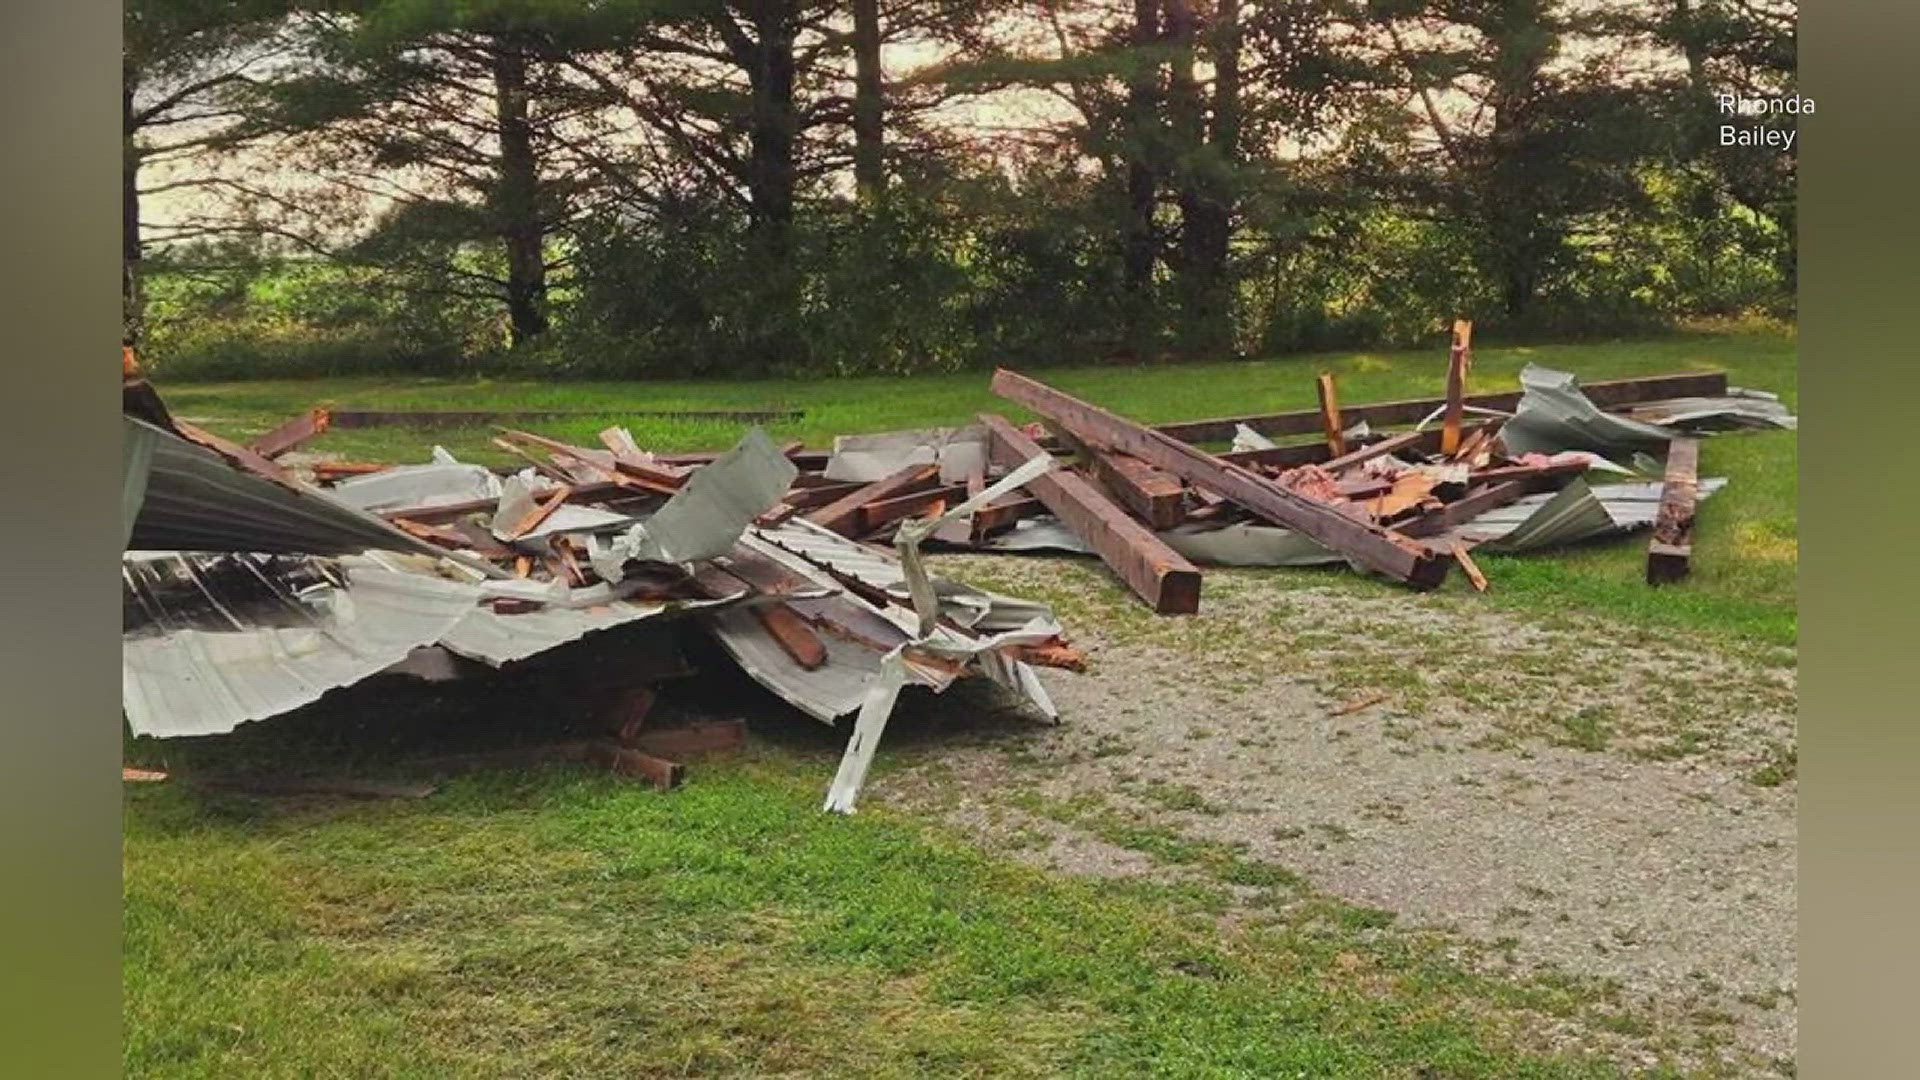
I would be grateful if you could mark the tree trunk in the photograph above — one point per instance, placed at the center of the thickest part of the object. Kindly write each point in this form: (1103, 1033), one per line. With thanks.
(517, 197)
(869, 165)
(1213, 223)
(132, 298)
(770, 182)
(1142, 185)
(1207, 157)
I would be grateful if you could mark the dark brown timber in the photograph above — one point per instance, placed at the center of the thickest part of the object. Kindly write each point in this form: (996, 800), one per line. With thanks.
(1368, 544)
(1606, 394)
(1153, 495)
(843, 514)
(1670, 552)
(1160, 575)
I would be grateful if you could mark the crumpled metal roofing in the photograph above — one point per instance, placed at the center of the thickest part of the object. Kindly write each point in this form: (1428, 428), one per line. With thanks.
(193, 500)
(866, 458)
(1740, 408)
(1553, 415)
(213, 641)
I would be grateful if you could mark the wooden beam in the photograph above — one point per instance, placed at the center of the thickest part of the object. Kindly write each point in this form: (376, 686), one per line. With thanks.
(1373, 450)
(796, 638)
(843, 514)
(1154, 496)
(692, 740)
(540, 512)
(1158, 574)
(1670, 552)
(1330, 415)
(1606, 394)
(1458, 359)
(1466, 508)
(1001, 514)
(291, 434)
(886, 511)
(1368, 544)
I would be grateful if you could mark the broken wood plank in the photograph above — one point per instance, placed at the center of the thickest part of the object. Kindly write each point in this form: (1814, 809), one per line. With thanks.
(437, 534)
(1670, 552)
(1607, 394)
(1156, 496)
(843, 514)
(540, 512)
(796, 638)
(1359, 703)
(626, 761)
(876, 515)
(1366, 543)
(1469, 506)
(693, 740)
(1330, 415)
(1158, 574)
(1458, 359)
(1470, 568)
(327, 472)
(291, 434)
(1373, 450)
(1000, 514)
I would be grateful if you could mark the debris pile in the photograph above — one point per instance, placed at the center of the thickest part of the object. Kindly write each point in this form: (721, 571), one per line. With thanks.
(253, 588)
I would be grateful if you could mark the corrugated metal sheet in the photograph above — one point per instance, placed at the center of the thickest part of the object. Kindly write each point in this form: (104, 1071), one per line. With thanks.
(1554, 415)
(195, 501)
(214, 641)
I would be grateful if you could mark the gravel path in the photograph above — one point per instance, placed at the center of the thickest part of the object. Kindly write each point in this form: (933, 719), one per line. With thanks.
(1575, 798)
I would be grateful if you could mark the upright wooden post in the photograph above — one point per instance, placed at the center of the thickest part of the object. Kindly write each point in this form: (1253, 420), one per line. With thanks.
(1330, 415)
(1459, 359)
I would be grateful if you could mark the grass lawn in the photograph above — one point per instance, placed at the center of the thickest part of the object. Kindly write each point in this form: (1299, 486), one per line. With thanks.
(1746, 549)
(549, 923)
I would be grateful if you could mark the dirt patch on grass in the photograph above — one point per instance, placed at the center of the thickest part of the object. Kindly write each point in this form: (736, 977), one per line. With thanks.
(1572, 799)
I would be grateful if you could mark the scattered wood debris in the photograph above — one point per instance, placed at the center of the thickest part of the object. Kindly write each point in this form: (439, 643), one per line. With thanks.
(781, 553)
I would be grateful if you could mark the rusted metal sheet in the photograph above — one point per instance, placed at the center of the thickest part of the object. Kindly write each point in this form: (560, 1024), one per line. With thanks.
(1670, 552)
(1158, 574)
(1365, 543)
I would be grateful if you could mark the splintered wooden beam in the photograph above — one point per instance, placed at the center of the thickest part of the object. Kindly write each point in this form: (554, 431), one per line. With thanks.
(1155, 496)
(1330, 415)
(874, 515)
(1466, 508)
(1368, 453)
(1000, 514)
(1670, 552)
(292, 433)
(1315, 453)
(843, 514)
(1458, 359)
(1368, 544)
(1160, 575)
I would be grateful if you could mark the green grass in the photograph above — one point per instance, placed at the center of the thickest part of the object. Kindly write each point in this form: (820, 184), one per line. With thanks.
(556, 924)
(1745, 553)
(550, 923)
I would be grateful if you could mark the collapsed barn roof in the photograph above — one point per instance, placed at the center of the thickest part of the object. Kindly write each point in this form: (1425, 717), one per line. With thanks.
(251, 591)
